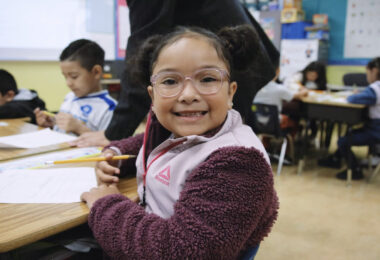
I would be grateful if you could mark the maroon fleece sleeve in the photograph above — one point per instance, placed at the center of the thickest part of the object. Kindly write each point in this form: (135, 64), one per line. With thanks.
(228, 204)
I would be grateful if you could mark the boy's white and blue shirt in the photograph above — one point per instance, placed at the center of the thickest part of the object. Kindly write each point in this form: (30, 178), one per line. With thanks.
(95, 109)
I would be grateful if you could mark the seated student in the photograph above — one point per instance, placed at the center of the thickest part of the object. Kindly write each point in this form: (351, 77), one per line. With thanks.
(87, 107)
(369, 133)
(275, 94)
(312, 77)
(207, 190)
(14, 102)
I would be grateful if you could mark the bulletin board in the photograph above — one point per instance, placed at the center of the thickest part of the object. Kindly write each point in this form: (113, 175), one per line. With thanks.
(337, 12)
(40, 29)
(362, 36)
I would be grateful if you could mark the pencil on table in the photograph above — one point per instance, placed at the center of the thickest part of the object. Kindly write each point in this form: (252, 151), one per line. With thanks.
(94, 159)
(48, 113)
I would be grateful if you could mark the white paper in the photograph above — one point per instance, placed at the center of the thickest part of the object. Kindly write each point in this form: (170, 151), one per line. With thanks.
(39, 161)
(61, 185)
(35, 139)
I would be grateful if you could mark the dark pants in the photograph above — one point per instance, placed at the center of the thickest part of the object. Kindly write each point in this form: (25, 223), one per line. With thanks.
(359, 137)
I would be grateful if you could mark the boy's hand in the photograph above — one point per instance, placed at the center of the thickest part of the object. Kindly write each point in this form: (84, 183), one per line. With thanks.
(99, 192)
(42, 119)
(91, 139)
(105, 170)
(68, 123)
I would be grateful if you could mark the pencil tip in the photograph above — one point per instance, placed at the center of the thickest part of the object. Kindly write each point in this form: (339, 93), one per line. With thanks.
(49, 162)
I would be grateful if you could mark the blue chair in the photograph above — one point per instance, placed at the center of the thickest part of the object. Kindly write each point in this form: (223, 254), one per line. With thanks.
(264, 120)
(250, 253)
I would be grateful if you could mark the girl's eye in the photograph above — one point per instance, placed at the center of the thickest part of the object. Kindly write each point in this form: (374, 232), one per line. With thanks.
(169, 82)
(208, 79)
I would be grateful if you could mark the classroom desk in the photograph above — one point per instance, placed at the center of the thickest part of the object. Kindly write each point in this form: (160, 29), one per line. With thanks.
(329, 110)
(21, 224)
(19, 126)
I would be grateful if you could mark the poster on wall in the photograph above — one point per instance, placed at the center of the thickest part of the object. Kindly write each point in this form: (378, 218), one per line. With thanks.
(296, 55)
(362, 29)
(122, 28)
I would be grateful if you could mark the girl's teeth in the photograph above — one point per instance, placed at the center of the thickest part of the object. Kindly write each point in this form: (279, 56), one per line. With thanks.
(191, 114)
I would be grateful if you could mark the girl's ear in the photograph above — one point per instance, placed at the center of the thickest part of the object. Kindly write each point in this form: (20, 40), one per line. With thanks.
(97, 70)
(150, 92)
(231, 92)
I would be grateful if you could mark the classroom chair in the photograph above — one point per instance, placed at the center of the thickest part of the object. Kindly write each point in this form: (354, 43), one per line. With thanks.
(264, 120)
(355, 79)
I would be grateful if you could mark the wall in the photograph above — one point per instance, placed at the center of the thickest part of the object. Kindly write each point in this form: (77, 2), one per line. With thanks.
(335, 73)
(44, 77)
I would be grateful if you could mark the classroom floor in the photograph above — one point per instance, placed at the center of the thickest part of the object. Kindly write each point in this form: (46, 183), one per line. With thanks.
(322, 218)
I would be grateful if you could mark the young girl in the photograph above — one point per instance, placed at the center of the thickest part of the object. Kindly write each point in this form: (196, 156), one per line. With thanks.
(369, 133)
(312, 77)
(204, 180)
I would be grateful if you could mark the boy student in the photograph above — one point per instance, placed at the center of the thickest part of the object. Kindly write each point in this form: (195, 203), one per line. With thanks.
(275, 94)
(87, 107)
(14, 102)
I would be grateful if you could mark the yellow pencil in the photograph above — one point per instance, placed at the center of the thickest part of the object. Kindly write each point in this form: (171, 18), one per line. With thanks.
(48, 113)
(94, 159)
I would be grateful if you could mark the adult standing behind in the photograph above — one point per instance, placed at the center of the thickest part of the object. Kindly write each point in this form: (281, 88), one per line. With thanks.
(149, 17)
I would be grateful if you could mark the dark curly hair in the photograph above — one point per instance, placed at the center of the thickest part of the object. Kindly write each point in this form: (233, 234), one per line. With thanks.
(236, 46)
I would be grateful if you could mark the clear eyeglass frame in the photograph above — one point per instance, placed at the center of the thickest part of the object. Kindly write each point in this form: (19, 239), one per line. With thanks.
(208, 88)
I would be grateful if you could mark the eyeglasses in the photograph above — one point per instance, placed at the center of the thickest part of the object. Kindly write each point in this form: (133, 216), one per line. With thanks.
(207, 81)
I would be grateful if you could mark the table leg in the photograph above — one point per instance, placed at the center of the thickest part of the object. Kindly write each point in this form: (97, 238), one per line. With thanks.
(349, 157)
(302, 159)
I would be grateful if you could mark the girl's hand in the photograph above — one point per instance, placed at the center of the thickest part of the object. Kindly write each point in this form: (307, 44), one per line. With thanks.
(43, 119)
(105, 170)
(99, 192)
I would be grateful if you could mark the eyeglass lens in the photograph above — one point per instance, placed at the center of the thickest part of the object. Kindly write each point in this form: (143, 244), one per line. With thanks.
(207, 81)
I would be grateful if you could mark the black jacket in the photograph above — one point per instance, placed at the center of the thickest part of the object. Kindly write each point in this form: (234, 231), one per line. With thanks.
(22, 106)
(149, 17)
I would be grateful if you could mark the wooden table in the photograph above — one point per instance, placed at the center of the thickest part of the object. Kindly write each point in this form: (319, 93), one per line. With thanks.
(20, 126)
(329, 110)
(21, 224)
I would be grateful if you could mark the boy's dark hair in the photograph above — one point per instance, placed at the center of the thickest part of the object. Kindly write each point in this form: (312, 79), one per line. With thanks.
(320, 69)
(237, 46)
(7, 82)
(375, 63)
(86, 52)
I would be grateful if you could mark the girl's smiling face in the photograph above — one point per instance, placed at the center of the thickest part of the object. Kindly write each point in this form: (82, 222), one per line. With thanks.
(190, 112)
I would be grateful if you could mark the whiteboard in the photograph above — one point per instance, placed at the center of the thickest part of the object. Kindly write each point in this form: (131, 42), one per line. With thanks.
(41, 29)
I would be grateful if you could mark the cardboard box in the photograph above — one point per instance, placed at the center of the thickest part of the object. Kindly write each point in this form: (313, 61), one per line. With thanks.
(320, 34)
(291, 15)
(320, 19)
(293, 4)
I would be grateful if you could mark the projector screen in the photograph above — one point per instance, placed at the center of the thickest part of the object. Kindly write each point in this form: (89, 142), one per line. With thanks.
(41, 29)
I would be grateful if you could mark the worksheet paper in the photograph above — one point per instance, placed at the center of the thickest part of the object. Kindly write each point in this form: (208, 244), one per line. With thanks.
(35, 139)
(61, 185)
(39, 161)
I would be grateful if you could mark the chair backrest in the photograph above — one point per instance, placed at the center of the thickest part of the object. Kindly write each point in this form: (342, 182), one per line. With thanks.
(355, 79)
(264, 119)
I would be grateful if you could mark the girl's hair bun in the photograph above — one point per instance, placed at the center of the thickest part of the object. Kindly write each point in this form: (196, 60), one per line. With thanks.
(242, 42)
(138, 65)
